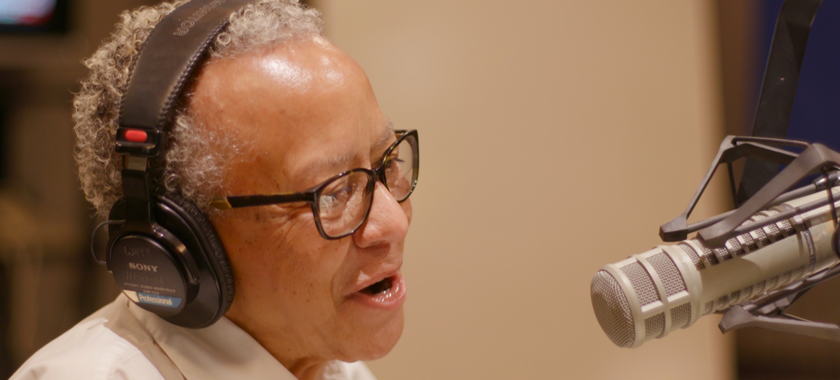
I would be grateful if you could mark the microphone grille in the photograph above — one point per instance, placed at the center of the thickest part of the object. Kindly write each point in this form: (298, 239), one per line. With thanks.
(680, 316)
(612, 309)
(668, 273)
(654, 326)
(642, 284)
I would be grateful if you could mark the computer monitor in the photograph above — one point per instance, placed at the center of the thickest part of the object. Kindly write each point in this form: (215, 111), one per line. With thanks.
(33, 16)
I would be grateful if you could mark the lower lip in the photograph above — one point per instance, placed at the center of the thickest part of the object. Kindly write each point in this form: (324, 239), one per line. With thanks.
(389, 300)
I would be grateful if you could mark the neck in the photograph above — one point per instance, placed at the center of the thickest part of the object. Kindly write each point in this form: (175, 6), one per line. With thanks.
(306, 369)
(303, 367)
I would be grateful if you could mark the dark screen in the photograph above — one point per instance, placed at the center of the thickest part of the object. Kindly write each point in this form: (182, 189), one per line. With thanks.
(816, 109)
(33, 16)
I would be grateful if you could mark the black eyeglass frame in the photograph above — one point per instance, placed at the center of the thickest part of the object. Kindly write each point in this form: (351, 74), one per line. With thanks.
(311, 195)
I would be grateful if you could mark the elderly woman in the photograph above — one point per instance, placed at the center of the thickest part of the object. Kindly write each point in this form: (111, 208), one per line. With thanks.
(279, 141)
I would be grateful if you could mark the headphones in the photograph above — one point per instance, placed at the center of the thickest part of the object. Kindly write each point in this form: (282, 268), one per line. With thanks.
(167, 257)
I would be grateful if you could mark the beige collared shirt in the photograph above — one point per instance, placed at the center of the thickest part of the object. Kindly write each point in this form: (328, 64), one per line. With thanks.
(123, 341)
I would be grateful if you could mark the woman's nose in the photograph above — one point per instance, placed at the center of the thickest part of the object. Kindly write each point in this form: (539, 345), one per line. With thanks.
(387, 222)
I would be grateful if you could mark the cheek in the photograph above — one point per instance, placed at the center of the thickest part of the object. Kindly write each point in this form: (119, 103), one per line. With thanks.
(283, 261)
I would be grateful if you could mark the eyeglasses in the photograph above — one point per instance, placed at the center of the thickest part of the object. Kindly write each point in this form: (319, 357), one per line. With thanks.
(342, 203)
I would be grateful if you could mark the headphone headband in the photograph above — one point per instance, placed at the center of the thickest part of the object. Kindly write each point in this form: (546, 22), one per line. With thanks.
(167, 257)
(180, 40)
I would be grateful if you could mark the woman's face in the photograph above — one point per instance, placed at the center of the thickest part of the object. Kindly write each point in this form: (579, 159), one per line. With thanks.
(304, 112)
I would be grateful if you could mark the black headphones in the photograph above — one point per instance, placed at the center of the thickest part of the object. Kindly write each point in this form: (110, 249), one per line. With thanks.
(167, 257)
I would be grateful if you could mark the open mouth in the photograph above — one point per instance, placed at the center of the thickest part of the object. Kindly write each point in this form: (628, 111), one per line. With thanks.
(388, 293)
(379, 287)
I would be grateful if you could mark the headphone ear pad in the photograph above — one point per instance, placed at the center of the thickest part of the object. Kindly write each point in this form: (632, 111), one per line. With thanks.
(209, 240)
(188, 227)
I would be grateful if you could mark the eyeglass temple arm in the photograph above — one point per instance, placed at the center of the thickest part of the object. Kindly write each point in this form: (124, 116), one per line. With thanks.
(224, 203)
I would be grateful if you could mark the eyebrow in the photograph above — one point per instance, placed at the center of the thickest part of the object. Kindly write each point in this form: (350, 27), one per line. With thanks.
(335, 162)
(385, 137)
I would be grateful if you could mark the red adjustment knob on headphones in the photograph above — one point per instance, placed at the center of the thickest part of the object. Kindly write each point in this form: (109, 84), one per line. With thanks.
(139, 142)
(136, 135)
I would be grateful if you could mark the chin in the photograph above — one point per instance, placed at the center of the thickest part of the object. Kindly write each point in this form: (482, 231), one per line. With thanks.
(376, 341)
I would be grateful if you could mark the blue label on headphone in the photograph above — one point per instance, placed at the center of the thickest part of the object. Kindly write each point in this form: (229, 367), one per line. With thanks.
(154, 299)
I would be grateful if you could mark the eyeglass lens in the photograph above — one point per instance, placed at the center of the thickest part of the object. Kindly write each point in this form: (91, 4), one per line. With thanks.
(399, 169)
(344, 202)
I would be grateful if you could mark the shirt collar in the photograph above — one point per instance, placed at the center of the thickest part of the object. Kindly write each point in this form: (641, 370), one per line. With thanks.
(221, 351)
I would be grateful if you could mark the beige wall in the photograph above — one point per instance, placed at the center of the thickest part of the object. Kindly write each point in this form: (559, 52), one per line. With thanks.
(556, 137)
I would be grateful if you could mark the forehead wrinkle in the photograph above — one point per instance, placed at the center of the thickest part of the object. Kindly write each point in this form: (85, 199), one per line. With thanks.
(335, 163)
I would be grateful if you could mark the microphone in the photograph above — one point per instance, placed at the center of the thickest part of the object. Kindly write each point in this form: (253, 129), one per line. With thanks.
(650, 294)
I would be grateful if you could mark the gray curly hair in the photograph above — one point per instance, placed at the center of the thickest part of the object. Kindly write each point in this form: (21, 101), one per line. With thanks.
(192, 164)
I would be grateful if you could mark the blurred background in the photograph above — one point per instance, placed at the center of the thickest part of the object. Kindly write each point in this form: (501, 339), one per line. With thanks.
(557, 137)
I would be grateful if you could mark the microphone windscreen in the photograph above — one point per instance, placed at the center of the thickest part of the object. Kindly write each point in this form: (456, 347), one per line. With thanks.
(612, 308)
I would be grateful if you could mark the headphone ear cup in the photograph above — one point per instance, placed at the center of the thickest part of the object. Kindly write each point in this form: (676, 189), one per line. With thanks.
(205, 235)
(188, 227)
